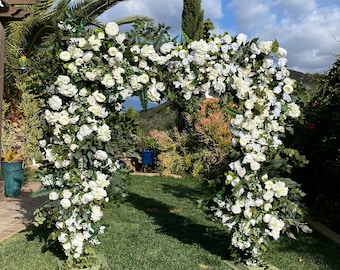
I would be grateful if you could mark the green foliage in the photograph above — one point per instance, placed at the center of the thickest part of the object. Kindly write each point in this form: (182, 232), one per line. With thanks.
(21, 132)
(318, 138)
(193, 19)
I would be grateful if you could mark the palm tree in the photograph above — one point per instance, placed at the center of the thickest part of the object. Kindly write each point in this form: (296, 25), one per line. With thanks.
(23, 37)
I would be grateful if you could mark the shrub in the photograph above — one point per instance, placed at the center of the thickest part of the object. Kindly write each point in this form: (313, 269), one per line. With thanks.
(200, 150)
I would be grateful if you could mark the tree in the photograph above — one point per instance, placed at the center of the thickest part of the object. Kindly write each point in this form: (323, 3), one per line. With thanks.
(41, 27)
(193, 19)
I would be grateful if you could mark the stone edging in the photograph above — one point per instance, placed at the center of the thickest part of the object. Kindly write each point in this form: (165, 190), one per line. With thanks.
(324, 230)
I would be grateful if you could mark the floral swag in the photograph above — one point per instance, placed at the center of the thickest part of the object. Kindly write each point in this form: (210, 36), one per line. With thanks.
(100, 71)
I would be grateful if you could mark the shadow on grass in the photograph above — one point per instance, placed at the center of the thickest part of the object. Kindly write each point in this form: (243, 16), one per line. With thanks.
(183, 191)
(184, 229)
(42, 235)
(322, 250)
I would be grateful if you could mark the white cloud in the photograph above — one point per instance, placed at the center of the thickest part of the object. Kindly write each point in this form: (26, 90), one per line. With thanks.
(212, 9)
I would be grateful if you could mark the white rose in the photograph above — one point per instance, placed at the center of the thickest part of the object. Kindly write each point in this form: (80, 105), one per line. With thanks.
(73, 147)
(104, 133)
(241, 38)
(67, 138)
(288, 88)
(255, 166)
(55, 102)
(62, 80)
(294, 110)
(65, 56)
(111, 29)
(100, 155)
(120, 38)
(281, 53)
(96, 213)
(247, 213)
(65, 203)
(67, 246)
(53, 196)
(68, 90)
(83, 92)
(98, 111)
(90, 75)
(81, 42)
(267, 218)
(144, 78)
(67, 194)
(64, 118)
(84, 131)
(99, 96)
(267, 207)
(280, 189)
(236, 209)
(87, 56)
(268, 195)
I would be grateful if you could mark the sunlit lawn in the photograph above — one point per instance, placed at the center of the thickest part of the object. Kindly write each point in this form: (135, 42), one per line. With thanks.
(159, 226)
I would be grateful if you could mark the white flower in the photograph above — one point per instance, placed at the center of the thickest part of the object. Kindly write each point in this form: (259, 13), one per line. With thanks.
(104, 133)
(255, 166)
(68, 90)
(241, 38)
(87, 56)
(65, 203)
(236, 209)
(267, 218)
(83, 92)
(84, 131)
(265, 46)
(280, 189)
(144, 78)
(268, 195)
(67, 194)
(100, 155)
(53, 196)
(267, 207)
(98, 111)
(55, 102)
(96, 213)
(98, 96)
(90, 75)
(65, 56)
(120, 38)
(293, 110)
(111, 29)
(276, 224)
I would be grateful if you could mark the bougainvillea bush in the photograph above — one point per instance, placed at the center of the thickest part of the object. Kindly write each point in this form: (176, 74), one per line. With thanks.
(98, 70)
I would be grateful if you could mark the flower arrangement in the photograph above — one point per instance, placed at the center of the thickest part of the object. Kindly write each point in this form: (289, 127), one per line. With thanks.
(99, 71)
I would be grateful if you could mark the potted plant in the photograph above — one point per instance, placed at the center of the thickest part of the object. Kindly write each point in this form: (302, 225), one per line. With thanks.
(19, 142)
(12, 171)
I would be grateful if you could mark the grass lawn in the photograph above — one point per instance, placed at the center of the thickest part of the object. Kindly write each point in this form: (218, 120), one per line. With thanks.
(160, 227)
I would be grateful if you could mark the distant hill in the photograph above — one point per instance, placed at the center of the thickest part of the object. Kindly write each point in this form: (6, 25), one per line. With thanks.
(162, 117)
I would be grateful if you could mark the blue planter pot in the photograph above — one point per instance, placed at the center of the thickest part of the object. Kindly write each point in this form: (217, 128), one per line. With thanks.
(147, 157)
(13, 176)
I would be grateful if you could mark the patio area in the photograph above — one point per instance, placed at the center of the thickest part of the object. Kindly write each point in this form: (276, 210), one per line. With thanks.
(17, 213)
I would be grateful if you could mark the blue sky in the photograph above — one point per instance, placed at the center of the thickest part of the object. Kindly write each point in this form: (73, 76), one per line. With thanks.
(308, 29)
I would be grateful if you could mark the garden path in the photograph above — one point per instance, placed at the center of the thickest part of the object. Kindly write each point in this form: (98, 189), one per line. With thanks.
(17, 213)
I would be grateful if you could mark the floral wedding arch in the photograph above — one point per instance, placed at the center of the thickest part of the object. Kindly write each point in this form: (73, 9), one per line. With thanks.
(99, 71)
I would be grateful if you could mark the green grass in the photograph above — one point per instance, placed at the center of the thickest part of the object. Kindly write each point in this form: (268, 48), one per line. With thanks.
(160, 227)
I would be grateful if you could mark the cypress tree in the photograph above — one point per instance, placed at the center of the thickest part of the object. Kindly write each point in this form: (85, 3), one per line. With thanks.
(193, 19)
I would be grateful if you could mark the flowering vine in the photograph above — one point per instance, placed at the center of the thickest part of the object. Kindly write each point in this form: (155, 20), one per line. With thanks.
(99, 71)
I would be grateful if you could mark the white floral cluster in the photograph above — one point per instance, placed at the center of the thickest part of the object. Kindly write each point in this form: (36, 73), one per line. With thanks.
(253, 73)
